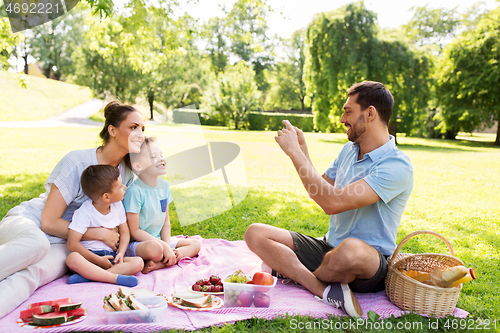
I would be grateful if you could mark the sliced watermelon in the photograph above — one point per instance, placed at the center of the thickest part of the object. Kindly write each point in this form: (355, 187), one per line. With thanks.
(51, 303)
(60, 307)
(53, 318)
(76, 313)
(26, 314)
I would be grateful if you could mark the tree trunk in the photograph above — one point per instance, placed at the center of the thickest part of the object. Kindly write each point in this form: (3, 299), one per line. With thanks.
(497, 140)
(47, 71)
(302, 102)
(25, 57)
(151, 100)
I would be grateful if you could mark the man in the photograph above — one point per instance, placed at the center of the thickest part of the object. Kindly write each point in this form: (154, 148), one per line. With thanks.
(364, 191)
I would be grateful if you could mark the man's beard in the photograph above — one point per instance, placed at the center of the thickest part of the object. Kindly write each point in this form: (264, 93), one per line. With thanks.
(357, 130)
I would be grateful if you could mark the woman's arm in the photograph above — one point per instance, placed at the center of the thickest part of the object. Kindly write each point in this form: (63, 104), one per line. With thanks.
(53, 223)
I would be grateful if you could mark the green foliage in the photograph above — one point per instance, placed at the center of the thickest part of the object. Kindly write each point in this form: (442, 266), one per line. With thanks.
(247, 24)
(469, 78)
(216, 31)
(7, 42)
(232, 95)
(274, 121)
(54, 42)
(432, 27)
(287, 90)
(344, 49)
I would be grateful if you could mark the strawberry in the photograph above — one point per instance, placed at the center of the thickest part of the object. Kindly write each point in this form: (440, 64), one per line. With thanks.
(197, 287)
(215, 280)
(217, 289)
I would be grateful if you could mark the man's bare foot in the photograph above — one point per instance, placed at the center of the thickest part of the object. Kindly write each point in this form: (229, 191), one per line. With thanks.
(150, 266)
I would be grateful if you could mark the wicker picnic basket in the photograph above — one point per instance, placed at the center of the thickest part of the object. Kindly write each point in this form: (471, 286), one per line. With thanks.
(412, 295)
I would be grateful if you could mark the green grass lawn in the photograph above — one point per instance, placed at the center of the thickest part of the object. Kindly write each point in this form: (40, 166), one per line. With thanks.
(456, 193)
(41, 99)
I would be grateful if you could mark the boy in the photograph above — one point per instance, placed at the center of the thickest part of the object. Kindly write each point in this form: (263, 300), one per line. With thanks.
(146, 204)
(94, 260)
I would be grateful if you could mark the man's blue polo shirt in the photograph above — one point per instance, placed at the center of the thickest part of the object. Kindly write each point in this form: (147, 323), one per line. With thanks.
(389, 173)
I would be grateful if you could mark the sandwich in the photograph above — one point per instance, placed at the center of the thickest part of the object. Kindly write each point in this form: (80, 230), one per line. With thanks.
(200, 302)
(116, 302)
(112, 303)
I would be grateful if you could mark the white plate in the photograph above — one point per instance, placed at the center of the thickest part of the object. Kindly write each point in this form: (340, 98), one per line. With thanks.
(217, 303)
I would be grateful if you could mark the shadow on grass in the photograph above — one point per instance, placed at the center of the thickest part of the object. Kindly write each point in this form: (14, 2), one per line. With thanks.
(18, 188)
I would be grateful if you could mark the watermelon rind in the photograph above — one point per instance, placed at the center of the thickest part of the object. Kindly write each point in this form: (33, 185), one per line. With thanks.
(50, 319)
(67, 307)
(77, 312)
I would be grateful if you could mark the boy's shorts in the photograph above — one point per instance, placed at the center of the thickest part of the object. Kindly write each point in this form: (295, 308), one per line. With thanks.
(101, 253)
(133, 245)
(311, 251)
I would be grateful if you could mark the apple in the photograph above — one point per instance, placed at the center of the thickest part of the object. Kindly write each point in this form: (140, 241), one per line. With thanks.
(244, 299)
(261, 300)
(263, 278)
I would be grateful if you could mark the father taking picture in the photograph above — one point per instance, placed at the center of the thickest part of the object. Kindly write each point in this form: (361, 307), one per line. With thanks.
(364, 191)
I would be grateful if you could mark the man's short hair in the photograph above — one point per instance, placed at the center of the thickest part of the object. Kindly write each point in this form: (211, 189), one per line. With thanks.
(376, 94)
(98, 179)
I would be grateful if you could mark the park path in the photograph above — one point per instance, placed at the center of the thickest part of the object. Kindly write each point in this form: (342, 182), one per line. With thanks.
(79, 117)
(75, 117)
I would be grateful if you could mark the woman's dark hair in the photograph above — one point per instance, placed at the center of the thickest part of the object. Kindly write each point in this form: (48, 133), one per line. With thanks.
(115, 113)
(98, 179)
(376, 94)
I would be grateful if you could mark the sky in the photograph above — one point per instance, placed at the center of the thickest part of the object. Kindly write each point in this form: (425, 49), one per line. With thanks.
(291, 15)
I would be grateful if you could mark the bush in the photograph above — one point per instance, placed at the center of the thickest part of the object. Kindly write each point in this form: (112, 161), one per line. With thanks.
(274, 121)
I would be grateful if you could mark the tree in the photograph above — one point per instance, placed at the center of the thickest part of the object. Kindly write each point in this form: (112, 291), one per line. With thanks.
(288, 89)
(247, 22)
(432, 28)
(216, 31)
(344, 48)
(232, 95)
(54, 42)
(469, 81)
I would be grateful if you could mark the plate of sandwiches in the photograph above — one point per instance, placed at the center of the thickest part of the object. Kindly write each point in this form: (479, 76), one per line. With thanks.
(130, 299)
(193, 301)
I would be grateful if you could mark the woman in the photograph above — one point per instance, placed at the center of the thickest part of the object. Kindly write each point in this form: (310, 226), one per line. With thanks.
(33, 234)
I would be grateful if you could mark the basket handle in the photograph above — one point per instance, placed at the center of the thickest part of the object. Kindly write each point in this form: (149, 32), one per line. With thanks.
(415, 233)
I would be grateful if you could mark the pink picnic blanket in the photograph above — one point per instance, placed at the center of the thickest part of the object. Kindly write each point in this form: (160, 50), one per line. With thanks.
(217, 256)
